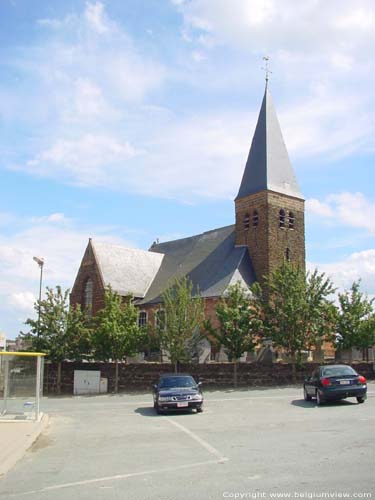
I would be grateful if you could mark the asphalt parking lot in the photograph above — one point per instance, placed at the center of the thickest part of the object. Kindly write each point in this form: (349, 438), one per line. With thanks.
(246, 444)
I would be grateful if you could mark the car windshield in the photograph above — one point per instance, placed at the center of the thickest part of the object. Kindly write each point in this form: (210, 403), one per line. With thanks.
(337, 371)
(169, 382)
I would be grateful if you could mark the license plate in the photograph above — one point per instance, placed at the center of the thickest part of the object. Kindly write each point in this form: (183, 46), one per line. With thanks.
(344, 382)
(182, 405)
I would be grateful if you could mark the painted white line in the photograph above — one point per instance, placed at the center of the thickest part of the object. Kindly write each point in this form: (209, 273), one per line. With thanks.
(199, 440)
(251, 398)
(112, 478)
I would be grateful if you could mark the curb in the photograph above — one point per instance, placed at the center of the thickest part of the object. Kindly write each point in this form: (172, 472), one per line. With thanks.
(22, 445)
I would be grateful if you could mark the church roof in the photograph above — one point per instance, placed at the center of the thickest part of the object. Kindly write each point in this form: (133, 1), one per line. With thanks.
(268, 166)
(210, 260)
(126, 270)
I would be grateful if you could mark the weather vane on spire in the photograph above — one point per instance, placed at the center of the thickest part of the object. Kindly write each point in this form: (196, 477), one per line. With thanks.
(266, 68)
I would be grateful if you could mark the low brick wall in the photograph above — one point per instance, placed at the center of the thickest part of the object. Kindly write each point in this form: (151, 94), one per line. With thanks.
(140, 377)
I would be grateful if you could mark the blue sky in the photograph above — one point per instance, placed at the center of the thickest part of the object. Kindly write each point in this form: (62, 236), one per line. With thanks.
(131, 120)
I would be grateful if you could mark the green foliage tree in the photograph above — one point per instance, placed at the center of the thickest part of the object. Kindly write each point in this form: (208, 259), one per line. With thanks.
(116, 334)
(295, 309)
(60, 333)
(356, 320)
(239, 323)
(183, 315)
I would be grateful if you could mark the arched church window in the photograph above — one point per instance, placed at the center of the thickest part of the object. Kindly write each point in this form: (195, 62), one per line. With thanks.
(255, 218)
(287, 254)
(142, 319)
(246, 222)
(88, 293)
(291, 220)
(282, 218)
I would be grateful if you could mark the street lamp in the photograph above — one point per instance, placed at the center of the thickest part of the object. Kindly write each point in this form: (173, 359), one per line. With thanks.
(40, 262)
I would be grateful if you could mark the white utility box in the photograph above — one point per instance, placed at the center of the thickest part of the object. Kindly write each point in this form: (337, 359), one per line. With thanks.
(103, 385)
(86, 382)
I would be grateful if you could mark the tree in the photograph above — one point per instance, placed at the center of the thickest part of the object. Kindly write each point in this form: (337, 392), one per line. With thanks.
(78, 333)
(295, 309)
(239, 324)
(183, 315)
(356, 321)
(60, 333)
(116, 334)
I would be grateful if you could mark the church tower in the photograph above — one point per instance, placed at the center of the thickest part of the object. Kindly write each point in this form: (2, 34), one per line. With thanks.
(269, 205)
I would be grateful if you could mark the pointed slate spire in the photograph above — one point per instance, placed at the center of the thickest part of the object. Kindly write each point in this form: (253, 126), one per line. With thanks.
(268, 166)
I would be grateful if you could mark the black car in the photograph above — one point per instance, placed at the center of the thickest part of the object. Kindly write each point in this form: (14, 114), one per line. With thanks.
(335, 382)
(177, 392)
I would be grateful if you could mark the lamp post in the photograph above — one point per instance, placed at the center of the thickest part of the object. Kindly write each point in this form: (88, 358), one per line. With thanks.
(40, 262)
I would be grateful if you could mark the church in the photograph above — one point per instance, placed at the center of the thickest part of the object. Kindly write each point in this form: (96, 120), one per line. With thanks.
(268, 229)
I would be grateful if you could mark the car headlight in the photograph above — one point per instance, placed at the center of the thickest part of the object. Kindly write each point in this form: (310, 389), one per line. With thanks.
(164, 399)
(197, 397)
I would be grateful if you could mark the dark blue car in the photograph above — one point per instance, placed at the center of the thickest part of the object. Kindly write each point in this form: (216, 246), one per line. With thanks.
(335, 382)
(177, 392)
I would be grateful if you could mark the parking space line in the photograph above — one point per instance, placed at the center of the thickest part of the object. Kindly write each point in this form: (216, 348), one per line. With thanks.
(117, 477)
(199, 440)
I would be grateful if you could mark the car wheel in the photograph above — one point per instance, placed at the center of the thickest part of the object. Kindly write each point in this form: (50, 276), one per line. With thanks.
(199, 409)
(306, 396)
(361, 399)
(319, 399)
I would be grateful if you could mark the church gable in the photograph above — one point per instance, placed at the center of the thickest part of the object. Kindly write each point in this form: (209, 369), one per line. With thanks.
(88, 288)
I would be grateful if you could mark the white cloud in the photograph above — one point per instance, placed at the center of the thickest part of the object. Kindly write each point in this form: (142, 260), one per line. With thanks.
(94, 13)
(305, 27)
(23, 301)
(89, 161)
(317, 207)
(347, 209)
(359, 265)
(56, 238)
(100, 127)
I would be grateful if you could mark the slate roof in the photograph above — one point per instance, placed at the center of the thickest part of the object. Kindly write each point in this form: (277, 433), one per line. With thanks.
(268, 165)
(127, 270)
(210, 260)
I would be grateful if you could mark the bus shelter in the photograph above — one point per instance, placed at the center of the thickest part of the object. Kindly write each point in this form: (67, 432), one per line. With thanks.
(21, 385)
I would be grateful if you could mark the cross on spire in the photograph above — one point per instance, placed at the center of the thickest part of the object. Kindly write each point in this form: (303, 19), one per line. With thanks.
(266, 68)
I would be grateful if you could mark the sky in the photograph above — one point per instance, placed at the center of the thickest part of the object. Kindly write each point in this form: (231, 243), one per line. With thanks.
(131, 120)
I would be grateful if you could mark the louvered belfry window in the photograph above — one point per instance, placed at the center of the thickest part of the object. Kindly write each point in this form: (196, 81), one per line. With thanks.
(282, 218)
(291, 220)
(246, 222)
(255, 218)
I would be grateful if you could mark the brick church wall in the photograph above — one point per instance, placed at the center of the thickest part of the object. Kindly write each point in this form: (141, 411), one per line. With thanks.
(88, 270)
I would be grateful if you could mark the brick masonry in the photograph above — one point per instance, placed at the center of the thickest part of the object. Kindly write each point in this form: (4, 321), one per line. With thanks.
(267, 242)
(141, 376)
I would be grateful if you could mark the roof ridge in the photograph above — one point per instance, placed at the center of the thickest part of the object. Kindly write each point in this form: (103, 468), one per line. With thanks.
(192, 236)
(114, 245)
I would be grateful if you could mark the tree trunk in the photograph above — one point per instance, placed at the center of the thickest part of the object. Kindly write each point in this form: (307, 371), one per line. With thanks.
(235, 376)
(58, 382)
(294, 371)
(350, 355)
(116, 376)
(176, 367)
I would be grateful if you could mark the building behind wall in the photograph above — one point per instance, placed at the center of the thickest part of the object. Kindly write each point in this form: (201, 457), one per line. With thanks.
(268, 230)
